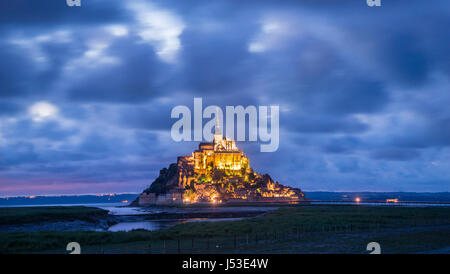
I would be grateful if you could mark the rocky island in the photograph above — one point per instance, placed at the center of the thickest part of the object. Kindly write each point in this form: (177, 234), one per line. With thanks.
(218, 172)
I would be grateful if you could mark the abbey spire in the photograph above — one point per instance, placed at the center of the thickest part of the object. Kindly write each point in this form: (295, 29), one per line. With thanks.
(217, 128)
(217, 133)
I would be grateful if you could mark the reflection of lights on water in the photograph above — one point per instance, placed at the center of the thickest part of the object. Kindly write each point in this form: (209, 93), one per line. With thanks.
(357, 200)
(391, 200)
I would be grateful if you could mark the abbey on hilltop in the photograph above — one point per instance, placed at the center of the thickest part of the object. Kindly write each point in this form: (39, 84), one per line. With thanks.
(217, 172)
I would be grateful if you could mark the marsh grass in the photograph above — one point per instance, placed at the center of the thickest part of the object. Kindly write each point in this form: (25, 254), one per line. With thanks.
(26, 215)
(287, 229)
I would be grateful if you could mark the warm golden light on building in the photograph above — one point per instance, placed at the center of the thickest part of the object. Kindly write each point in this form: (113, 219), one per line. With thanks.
(221, 154)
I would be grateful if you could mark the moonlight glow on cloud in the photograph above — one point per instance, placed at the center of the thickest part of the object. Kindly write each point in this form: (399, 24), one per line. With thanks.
(42, 110)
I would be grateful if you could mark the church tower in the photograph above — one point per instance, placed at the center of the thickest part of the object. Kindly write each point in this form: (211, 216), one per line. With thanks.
(217, 133)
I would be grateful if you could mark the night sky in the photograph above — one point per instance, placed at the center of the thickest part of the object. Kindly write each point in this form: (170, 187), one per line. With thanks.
(86, 92)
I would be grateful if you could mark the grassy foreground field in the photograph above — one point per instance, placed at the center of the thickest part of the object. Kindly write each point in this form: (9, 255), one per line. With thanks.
(27, 215)
(293, 229)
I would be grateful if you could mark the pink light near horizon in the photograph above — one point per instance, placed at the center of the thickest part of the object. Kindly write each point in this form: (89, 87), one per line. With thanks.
(36, 188)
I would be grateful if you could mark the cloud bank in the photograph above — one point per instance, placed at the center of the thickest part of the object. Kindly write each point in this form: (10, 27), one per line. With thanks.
(86, 93)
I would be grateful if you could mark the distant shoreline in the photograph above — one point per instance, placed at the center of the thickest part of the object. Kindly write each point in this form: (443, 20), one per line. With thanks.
(407, 199)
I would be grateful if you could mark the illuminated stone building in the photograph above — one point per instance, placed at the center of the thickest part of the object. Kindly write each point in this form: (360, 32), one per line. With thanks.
(222, 153)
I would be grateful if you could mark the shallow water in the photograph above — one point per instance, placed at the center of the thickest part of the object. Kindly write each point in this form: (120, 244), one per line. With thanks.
(162, 224)
(214, 219)
(156, 210)
(153, 225)
(146, 225)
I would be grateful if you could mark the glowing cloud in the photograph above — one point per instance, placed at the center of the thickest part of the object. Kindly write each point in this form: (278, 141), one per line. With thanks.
(117, 30)
(160, 28)
(42, 110)
(272, 34)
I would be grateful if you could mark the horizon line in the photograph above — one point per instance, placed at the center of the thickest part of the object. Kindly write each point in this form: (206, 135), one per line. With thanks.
(124, 193)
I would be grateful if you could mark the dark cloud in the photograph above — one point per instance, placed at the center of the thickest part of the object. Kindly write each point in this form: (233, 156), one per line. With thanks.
(8, 108)
(327, 124)
(216, 63)
(134, 79)
(49, 12)
(342, 145)
(407, 59)
(396, 154)
(149, 117)
(16, 72)
(435, 133)
(348, 165)
(28, 129)
(18, 153)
